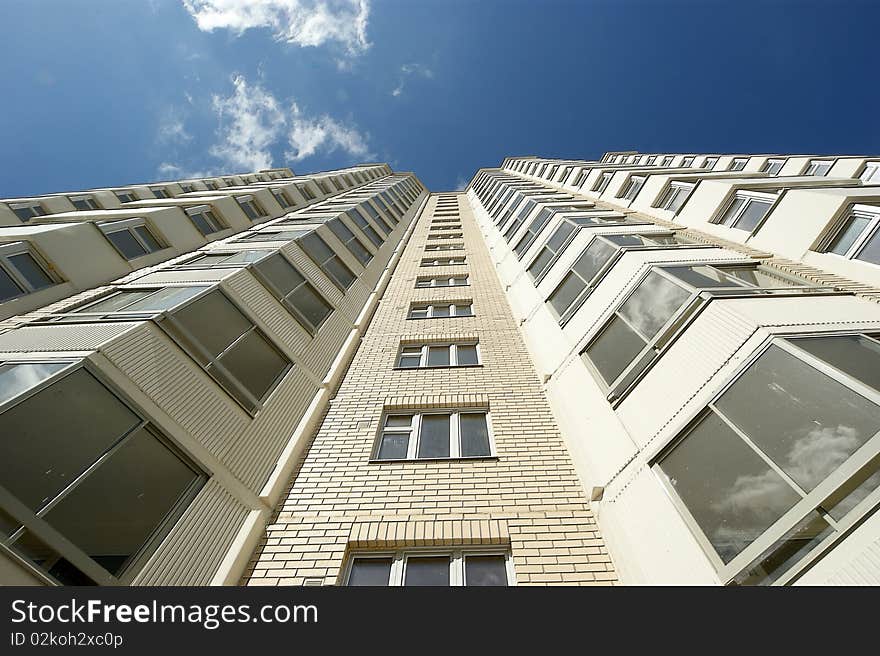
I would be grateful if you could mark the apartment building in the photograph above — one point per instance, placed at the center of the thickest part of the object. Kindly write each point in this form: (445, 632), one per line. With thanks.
(642, 369)
(706, 328)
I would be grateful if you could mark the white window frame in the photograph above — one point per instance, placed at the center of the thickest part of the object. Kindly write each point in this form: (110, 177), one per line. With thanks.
(871, 174)
(414, 432)
(11, 249)
(710, 162)
(129, 225)
(88, 199)
(633, 186)
(603, 182)
(35, 207)
(250, 202)
(126, 192)
(674, 192)
(738, 164)
(810, 500)
(453, 281)
(815, 164)
(453, 307)
(869, 212)
(160, 192)
(443, 261)
(208, 215)
(452, 235)
(423, 350)
(771, 164)
(457, 556)
(444, 247)
(687, 162)
(748, 197)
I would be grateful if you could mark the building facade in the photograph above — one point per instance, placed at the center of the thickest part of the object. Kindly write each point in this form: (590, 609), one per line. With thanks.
(649, 368)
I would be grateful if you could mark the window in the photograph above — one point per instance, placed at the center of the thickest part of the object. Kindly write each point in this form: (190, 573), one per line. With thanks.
(633, 188)
(204, 219)
(687, 161)
(603, 182)
(132, 238)
(378, 219)
(576, 284)
(710, 162)
(441, 434)
(468, 567)
(667, 160)
(773, 166)
(213, 259)
(818, 168)
(450, 281)
(746, 210)
(90, 500)
(551, 250)
(675, 196)
(659, 307)
(250, 207)
(738, 164)
(21, 271)
(27, 211)
(452, 235)
(136, 303)
(282, 198)
(444, 247)
(306, 192)
(348, 239)
(126, 196)
(437, 311)
(272, 235)
(290, 287)
(871, 174)
(443, 261)
(365, 227)
(159, 192)
(784, 459)
(858, 237)
(327, 260)
(451, 226)
(229, 347)
(84, 203)
(464, 354)
(187, 187)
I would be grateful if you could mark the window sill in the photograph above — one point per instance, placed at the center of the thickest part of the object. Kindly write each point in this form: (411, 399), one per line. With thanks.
(376, 461)
(457, 366)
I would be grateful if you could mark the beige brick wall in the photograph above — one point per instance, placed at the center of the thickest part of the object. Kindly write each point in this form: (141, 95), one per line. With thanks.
(527, 498)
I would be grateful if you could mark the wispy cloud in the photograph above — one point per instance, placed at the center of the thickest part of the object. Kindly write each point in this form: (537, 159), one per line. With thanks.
(461, 183)
(172, 129)
(300, 22)
(407, 71)
(251, 123)
(309, 135)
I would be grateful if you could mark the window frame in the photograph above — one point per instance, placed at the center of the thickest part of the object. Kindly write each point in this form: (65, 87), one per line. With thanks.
(443, 261)
(36, 208)
(870, 174)
(429, 306)
(634, 186)
(9, 250)
(433, 279)
(815, 165)
(424, 348)
(33, 522)
(770, 164)
(672, 192)
(862, 458)
(209, 216)
(457, 557)
(128, 225)
(738, 164)
(872, 230)
(748, 197)
(414, 432)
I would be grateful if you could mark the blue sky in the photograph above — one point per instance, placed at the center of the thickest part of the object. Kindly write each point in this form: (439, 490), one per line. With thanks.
(111, 92)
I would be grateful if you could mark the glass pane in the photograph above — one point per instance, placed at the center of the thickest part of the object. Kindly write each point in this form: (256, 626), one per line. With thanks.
(164, 299)
(244, 257)
(148, 238)
(854, 491)
(702, 276)
(213, 321)
(871, 250)
(808, 423)
(752, 214)
(474, 434)
(313, 308)
(733, 495)
(370, 571)
(438, 356)
(31, 271)
(280, 273)
(51, 437)
(18, 378)
(857, 355)
(593, 259)
(786, 552)
(427, 570)
(485, 570)
(409, 361)
(434, 437)
(540, 263)
(418, 313)
(440, 311)
(204, 227)
(463, 310)
(652, 304)
(208, 260)
(254, 363)
(116, 301)
(394, 446)
(127, 244)
(398, 421)
(35, 550)
(340, 273)
(614, 349)
(467, 354)
(115, 510)
(731, 211)
(761, 277)
(566, 293)
(8, 287)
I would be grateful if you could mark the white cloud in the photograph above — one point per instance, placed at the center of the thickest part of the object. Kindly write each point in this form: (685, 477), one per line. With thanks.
(461, 184)
(408, 70)
(299, 22)
(308, 135)
(250, 121)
